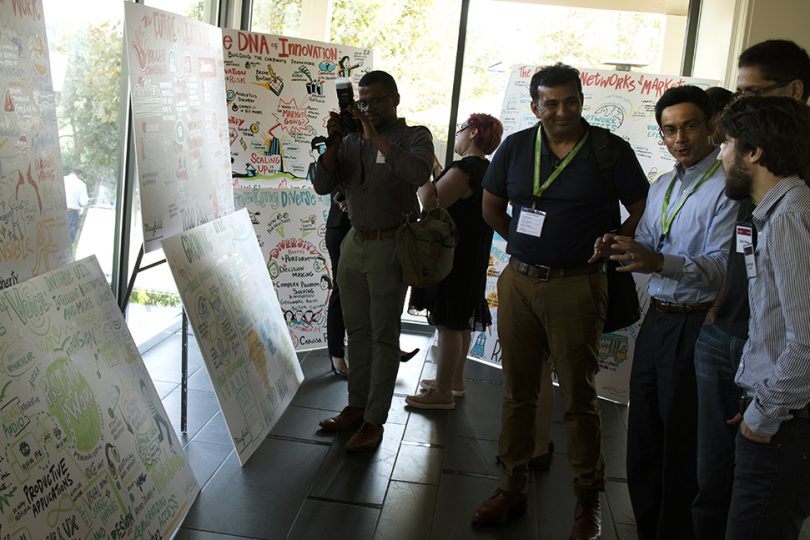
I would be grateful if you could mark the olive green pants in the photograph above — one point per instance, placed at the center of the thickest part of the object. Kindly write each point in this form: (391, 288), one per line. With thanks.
(372, 295)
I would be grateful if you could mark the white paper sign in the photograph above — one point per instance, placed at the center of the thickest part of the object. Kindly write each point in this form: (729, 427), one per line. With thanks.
(34, 236)
(86, 448)
(280, 91)
(290, 225)
(180, 124)
(230, 301)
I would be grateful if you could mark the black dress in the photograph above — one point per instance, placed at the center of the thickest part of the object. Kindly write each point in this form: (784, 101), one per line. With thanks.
(458, 301)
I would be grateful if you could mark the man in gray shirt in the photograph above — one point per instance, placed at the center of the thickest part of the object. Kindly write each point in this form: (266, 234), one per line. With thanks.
(767, 147)
(379, 166)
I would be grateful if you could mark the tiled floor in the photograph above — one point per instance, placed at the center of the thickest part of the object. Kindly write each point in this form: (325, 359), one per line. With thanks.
(425, 480)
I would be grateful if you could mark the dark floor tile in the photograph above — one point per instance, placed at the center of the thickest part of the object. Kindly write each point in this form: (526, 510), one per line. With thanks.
(192, 534)
(418, 464)
(608, 523)
(398, 413)
(428, 372)
(555, 501)
(477, 456)
(478, 371)
(427, 426)
(478, 415)
(626, 531)
(165, 388)
(215, 432)
(163, 361)
(619, 501)
(202, 406)
(360, 477)
(456, 502)
(262, 498)
(408, 512)
(206, 458)
(302, 423)
(612, 423)
(614, 448)
(200, 381)
(614, 438)
(321, 389)
(410, 371)
(336, 521)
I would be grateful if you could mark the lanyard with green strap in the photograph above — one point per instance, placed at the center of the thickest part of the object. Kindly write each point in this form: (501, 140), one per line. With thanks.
(666, 222)
(538, 189)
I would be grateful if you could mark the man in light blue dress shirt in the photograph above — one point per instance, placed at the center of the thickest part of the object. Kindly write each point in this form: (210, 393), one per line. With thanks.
(682, 240)
(767, 148)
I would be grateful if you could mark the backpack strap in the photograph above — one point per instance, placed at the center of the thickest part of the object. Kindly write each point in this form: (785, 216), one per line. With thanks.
(605, 153)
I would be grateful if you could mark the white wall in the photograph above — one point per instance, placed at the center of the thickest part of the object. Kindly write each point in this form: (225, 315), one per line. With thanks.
(727, 27)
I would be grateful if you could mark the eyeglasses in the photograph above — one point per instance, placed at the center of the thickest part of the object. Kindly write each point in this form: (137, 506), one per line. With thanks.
(364, 104)
(760, 91)
(668, 132)
(462, 127)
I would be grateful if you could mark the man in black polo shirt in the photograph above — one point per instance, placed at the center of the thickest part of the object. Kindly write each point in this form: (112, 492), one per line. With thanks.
(551, 302)
(770, 68)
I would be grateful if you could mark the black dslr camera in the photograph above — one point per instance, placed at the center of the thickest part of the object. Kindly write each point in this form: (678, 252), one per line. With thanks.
(345, 94)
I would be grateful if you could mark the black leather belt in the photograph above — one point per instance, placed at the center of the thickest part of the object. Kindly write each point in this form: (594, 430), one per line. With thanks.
(669, 307)
(545, 273)
(378, 234)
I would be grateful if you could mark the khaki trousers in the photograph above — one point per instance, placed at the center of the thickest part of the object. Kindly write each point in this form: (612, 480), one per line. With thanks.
(372, 295)
(560, 319)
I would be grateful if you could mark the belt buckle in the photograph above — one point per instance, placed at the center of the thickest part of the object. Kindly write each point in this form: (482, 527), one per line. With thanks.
(542, 272)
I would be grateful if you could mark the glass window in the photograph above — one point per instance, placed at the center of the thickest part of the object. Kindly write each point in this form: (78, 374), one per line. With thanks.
(155, 306)
(542, 34)
(199, 10)
(414, 40)
(85, 48)
(280, 17)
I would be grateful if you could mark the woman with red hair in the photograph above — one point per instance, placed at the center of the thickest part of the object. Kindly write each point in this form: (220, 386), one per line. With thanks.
(456, 305)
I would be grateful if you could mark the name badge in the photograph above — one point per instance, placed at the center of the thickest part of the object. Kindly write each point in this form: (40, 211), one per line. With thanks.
(380, 157)
(750, 262)
(745, 235)
(531, 221)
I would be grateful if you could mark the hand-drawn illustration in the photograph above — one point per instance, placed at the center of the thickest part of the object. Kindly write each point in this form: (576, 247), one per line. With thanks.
(290, 225)
(220, 272)
(177, 80)
(279, 94)
(82, 452)
(34, 237)
(623, 102)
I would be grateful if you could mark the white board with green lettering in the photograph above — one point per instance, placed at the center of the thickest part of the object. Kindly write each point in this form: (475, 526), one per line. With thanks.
(233, 308)
(86, 447)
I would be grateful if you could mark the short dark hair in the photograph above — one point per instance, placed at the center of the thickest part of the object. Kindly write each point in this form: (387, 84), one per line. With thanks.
(779, 125)
(684, 94)
(317, 141)
(720, 98)
(490, 131)
(379, 77)
(779, 60)
(557, 75)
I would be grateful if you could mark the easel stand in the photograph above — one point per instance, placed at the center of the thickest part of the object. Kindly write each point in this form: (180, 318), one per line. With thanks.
(123, 302)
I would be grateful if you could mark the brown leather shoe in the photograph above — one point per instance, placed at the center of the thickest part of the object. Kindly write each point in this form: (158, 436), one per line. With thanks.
(367, 438)
(349, 418)
(500, 507)
(587, 519)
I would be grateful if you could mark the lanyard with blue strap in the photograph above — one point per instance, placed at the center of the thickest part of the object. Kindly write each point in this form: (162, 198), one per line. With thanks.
(666, 222)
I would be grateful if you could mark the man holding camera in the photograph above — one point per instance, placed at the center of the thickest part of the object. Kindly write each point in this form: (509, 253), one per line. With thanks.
(379, 162)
